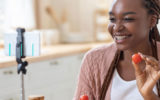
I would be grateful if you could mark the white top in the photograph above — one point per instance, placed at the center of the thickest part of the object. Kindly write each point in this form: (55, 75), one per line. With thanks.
(125, 90)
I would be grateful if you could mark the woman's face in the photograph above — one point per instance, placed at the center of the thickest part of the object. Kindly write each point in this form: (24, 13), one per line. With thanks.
(129, 24)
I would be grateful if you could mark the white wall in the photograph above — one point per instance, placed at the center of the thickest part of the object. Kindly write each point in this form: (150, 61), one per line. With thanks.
(43, 19)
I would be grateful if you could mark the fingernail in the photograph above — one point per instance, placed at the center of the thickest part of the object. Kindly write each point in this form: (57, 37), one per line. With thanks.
(140, 53)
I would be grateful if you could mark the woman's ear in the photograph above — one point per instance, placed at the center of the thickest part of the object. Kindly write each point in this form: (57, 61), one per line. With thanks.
(153, 20)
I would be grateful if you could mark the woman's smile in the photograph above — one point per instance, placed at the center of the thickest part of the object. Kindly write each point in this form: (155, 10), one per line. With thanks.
(119, 39)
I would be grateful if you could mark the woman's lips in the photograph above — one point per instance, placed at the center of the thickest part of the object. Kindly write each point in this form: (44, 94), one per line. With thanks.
(122, 38)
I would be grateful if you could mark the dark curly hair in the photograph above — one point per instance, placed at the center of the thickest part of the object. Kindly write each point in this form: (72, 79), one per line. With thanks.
(153, 8)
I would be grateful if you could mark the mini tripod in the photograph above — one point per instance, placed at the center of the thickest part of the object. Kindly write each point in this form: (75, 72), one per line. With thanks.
(19, 55)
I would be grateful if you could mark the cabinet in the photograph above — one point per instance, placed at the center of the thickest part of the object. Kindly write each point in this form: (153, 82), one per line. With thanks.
(9, 84)
(55, 79)
(101, 20)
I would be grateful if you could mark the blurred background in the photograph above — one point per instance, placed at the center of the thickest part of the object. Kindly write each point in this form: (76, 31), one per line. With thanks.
(68, 29)
(67, 20)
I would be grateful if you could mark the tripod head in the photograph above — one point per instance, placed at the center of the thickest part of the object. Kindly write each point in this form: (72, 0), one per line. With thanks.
(20, 51)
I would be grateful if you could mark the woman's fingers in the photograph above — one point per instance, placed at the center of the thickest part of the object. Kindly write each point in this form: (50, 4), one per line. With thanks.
(138, 70)
(150, 61)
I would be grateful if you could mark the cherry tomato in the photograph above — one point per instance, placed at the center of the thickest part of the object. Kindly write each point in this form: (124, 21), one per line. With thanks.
(84, 97)
(136, 58)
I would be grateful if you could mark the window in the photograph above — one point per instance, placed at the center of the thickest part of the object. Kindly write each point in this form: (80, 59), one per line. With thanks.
(16, 13)
(2, 17)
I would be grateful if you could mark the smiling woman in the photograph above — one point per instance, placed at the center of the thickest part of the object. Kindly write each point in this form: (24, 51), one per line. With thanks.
(108, 73)
(129, 25)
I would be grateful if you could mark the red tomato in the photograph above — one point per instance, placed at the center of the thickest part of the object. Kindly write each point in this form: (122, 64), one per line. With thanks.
(84, 97)
(136, 58)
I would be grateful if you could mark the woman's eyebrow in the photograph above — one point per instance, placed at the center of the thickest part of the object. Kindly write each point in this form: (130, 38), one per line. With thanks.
(126, 13)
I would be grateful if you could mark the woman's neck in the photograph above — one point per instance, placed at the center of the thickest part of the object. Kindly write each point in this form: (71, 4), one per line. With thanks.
(144, 48)
(125, 67)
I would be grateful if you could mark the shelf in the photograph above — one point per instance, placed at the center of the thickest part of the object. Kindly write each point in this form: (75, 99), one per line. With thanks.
(100, 24)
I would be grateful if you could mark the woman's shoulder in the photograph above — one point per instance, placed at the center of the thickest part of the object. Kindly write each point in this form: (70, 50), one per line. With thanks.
(103, 48)
(101, 51)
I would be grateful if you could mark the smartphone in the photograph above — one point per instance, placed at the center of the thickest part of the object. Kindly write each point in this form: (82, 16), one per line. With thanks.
(31, 43)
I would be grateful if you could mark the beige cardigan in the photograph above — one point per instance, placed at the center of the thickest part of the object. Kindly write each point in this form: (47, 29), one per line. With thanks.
(94, 68)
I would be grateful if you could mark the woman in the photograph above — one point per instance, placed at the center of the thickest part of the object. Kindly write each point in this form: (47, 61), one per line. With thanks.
(108, 73)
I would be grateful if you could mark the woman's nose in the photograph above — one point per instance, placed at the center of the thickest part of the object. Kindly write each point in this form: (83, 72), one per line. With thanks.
(118, 27)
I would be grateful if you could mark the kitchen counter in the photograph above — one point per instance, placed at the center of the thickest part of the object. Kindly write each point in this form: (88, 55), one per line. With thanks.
(50, 52)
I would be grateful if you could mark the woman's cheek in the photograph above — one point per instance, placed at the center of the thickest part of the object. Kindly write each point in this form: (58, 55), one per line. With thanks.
(110, 28)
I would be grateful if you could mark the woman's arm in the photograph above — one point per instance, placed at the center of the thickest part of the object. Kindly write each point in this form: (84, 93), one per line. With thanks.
(85, 79)
(151, 96)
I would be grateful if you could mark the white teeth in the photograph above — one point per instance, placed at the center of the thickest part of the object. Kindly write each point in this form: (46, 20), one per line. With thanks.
(120, 37)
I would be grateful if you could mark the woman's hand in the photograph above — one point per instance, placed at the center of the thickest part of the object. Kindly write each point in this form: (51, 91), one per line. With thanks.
(147, 78)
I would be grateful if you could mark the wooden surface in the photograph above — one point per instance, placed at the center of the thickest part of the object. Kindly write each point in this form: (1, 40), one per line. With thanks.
(50, 52)
(36, 97)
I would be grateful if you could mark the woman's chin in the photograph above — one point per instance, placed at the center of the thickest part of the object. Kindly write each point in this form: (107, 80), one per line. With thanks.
(122, 47)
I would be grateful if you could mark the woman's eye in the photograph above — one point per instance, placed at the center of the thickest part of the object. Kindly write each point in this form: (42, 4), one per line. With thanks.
(112, 19)
(129, 19)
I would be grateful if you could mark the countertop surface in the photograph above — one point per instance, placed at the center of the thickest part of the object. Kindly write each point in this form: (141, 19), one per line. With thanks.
(50, 52)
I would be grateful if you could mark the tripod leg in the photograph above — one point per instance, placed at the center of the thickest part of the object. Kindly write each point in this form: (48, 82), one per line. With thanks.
(22, 87)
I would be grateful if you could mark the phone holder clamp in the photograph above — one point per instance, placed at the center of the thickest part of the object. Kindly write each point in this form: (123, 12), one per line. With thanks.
(20, 51)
